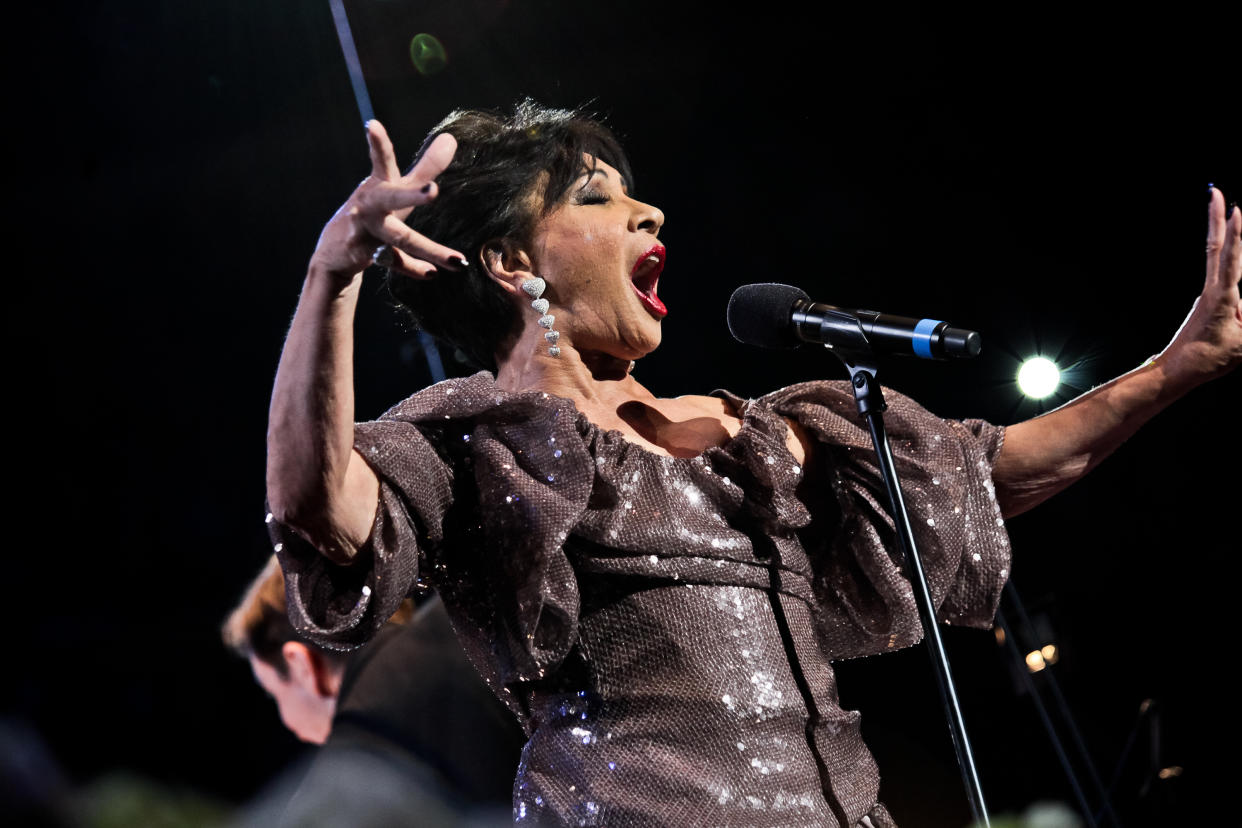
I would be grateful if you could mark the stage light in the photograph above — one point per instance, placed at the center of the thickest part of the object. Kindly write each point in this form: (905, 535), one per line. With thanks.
(1050, 653)
(1170, 772)
(1038, 377)
(1035, 661)
(999, 632)
(427, 54)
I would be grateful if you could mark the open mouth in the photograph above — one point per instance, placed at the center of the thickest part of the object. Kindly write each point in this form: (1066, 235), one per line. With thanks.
(645, 276)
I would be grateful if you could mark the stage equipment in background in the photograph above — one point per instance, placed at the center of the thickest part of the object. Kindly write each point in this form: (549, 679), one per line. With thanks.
(1031, 636)
(1155, 772)
(779, 316)
(1033, 652)
(356, 80)
(359, 84)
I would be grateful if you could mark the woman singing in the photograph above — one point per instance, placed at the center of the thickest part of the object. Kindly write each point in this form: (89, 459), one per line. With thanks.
(656, 587)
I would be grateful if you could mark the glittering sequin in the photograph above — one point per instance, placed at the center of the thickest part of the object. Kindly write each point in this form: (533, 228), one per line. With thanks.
(640, 613)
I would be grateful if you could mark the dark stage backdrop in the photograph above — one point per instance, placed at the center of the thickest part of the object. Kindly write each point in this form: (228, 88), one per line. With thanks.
(1037, 173)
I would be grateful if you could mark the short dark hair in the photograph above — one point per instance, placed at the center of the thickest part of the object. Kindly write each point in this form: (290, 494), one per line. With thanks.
(259, 625)
(509, 171)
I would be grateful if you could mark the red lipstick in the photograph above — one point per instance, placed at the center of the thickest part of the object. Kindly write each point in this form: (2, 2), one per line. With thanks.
(644, 277)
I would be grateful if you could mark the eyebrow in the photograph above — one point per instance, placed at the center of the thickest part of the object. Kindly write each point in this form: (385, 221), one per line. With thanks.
(591, 172)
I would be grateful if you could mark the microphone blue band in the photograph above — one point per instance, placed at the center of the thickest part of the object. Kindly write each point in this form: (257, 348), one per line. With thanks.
(922, 337)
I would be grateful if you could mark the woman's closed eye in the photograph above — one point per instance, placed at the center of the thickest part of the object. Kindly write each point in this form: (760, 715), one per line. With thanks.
(592, 195)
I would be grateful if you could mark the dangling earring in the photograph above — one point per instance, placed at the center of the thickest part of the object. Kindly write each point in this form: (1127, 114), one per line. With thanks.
(533, 288)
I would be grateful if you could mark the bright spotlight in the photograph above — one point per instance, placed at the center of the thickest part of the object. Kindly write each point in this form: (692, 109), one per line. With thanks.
(1038, 377)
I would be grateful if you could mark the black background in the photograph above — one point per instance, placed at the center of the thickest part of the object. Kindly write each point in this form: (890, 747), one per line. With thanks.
(1038, 174)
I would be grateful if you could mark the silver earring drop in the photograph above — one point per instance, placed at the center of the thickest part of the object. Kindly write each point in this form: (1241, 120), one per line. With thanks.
(534, 288)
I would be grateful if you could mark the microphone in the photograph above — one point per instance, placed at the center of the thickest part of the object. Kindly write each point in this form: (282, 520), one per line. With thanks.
(783, 316)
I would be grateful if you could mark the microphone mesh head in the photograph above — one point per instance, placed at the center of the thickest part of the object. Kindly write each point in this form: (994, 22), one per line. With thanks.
(761, 314)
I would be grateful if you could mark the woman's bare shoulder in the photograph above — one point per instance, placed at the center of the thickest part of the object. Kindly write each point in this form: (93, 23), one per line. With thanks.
(797, 440)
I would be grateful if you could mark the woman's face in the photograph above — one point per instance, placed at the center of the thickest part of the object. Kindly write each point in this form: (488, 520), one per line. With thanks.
(598, 252)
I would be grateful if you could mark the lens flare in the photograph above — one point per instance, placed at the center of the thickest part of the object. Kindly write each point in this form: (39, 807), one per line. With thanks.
(1038, 377)
(427, 54)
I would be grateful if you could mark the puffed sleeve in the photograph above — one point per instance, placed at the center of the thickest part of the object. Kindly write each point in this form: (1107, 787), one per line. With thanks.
(479, 490)
(342, 606)
(866, 602)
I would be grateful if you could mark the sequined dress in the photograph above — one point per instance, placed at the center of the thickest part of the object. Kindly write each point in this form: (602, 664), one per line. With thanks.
(664, 627)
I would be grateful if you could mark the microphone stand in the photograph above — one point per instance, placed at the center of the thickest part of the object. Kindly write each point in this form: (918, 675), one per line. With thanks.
(855, 352)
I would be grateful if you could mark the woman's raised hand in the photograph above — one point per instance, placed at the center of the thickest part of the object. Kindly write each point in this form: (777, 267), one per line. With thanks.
(1209, 342)
(370, 225)
(1042, 456)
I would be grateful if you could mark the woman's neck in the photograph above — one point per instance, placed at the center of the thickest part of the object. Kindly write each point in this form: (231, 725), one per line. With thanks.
(602, 388)
(592, 379)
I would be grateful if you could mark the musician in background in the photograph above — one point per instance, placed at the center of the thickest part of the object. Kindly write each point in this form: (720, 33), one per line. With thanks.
(407, 727)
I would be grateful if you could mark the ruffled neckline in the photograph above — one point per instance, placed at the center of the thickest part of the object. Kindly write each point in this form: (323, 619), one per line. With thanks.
(753, 418)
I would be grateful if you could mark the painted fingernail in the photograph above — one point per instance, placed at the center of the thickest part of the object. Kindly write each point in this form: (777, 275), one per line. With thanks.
(461, 260)
(426, 188)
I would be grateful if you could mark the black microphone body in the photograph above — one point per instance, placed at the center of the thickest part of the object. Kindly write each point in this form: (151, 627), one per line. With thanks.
(783, 316)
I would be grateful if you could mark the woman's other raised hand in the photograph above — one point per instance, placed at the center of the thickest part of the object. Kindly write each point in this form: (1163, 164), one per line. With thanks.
(1209, 341)
(370, 225)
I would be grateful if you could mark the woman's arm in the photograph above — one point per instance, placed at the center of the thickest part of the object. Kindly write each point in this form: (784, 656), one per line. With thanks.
(1042, 456)
(316, 482)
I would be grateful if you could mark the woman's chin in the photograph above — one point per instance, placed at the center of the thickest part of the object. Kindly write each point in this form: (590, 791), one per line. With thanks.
(633, 341)
(640, 346)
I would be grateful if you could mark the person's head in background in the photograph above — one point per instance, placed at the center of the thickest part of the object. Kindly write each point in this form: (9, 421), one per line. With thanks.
(303, 678)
